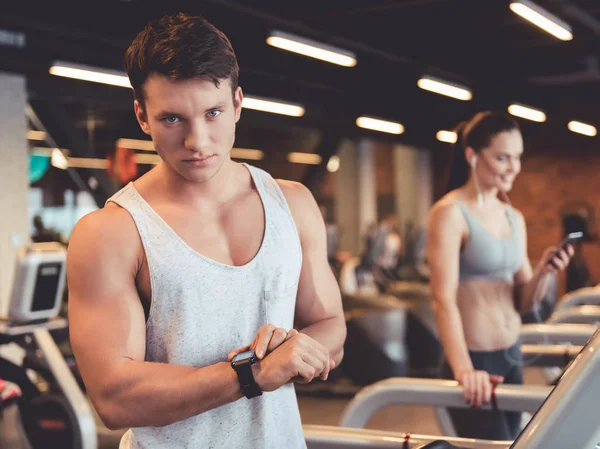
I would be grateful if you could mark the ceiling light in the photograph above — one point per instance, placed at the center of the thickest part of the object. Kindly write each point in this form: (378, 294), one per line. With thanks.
(276, 107)
(334, 164)
(582, 128)
(36, 135)
(313, 49)
(41, 151)
(136, 144)
(88, 73)
(247, 153)
(446, 136)
(236, 153)
(543, 19)
(58, 159)
(304, 158)
(85, 162)
(379, 125)
(526, 112)
(148, 159)
(148, 145)
(101, 164)
(442, 87)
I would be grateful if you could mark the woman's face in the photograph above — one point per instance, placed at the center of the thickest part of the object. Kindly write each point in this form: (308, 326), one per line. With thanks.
(500, 162)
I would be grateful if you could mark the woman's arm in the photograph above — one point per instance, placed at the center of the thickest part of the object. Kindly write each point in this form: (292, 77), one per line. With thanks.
(532, 285)
(444, 237)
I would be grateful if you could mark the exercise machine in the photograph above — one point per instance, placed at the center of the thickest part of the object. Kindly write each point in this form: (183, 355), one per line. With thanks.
(53, 410)
(38, 284)
(565, 417)
(586, 314)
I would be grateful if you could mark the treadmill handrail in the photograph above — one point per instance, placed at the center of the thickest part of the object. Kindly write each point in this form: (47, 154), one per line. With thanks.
(585, 295)
(575, 334)
(576, 315)
(444, 393)
(568, 417)
(549, 355)
(333, 437)
(12, 330)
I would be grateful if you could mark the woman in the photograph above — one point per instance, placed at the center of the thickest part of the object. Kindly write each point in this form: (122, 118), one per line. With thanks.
(481, 277)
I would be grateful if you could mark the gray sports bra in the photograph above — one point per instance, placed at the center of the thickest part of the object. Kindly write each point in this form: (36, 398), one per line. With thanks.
(486, 256)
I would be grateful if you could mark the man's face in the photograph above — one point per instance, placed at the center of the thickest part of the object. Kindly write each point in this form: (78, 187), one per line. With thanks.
(192, 124)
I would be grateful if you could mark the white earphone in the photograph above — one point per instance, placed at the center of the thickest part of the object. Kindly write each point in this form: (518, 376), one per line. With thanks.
(479, 194)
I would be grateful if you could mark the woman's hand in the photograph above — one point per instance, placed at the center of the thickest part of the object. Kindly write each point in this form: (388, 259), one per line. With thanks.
(477, 386)
(555, 259)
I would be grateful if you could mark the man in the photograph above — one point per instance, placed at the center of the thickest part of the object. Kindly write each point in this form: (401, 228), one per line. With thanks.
(198, 263)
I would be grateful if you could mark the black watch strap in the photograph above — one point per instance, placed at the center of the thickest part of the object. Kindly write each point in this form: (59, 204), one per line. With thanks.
(248, 385)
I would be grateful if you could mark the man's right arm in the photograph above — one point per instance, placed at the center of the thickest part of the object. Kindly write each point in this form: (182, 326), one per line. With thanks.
(108, 332)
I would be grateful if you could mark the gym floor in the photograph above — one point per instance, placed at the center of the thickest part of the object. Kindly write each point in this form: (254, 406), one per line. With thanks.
(314, 410)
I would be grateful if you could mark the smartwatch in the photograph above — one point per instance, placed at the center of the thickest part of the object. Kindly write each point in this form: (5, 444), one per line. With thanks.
(242, 365)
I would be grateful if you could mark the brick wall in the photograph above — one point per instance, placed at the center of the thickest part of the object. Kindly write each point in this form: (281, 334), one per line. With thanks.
(384, 169)
(547, 182)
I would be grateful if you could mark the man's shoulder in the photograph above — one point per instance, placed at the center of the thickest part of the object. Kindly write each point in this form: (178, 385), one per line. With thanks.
(106, 237)
(296, 193)
(303, 207)
(109, 218)
(111, 225)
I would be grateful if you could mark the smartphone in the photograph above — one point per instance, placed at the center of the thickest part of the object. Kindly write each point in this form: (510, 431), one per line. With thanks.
(568, 240)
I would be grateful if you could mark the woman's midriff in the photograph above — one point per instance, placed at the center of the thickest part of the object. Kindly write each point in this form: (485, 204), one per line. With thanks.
(490, 321)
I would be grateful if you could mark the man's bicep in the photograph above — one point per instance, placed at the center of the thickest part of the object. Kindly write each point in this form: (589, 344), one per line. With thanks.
(318, 291)
(106, 318)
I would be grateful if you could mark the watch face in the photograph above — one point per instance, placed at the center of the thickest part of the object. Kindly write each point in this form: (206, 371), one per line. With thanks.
(243, 356)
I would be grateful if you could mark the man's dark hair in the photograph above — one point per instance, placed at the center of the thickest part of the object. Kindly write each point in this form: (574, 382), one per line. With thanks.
(180, 47)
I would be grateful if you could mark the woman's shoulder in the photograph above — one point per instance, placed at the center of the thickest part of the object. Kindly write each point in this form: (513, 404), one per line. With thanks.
(514, 210)
(448, 203)
(517, 214)
(446, 210)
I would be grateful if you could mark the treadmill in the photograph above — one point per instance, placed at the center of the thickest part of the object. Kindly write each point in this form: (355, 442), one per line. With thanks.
(565, 419)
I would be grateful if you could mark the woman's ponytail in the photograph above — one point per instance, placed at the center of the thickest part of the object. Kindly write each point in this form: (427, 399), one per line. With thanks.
(458, 171)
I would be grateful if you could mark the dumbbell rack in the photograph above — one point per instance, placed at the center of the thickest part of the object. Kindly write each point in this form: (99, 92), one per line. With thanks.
(40, 333)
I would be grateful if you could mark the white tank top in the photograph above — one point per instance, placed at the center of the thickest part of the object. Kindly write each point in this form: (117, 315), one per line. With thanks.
(201, 309)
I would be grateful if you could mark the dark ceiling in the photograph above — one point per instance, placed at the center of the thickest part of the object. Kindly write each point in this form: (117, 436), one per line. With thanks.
(480, 43)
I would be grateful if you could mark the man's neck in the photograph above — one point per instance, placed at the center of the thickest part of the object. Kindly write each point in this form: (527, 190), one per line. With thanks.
(215, 191)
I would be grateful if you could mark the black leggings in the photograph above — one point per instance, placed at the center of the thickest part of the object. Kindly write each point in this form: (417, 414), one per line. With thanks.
(490, 424)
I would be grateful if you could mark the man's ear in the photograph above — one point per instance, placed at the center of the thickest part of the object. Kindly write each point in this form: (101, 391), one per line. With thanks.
(237, 102)
(141, 116)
